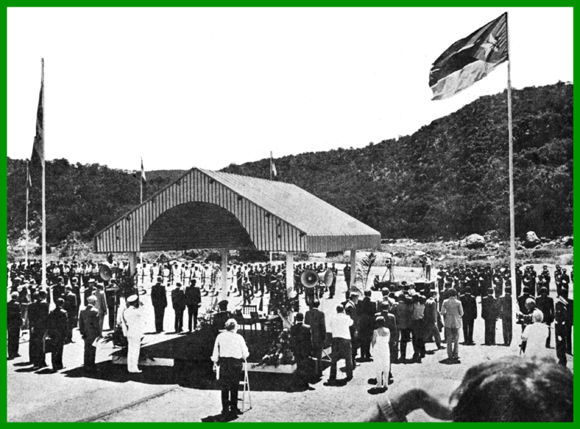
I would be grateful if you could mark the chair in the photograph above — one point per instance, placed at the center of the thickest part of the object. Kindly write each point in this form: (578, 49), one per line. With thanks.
(248, 316)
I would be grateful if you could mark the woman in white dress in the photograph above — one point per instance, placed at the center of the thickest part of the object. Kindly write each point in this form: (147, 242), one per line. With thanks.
(534, 337)
(381, 353)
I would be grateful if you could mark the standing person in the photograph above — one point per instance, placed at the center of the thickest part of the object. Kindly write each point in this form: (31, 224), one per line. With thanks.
(428, 263)
(545, 304)
(418, 327)
(316, 320)
(112, 293)
(101, 305)
(403, 313)
(381, 353)
(350, 309)
(489, 315)
(229, 353)
(469, 315)
(247, 291)
(178, 301)
(89, 329)
(452, 312)
(431, 318)
(159, 301)
(341, 347)
(301, 346)
(562, 315)
(193, 301)
(37, 315)
(132, 324)
(57, 331)
(72, 311)
(366, 312)
(346, 271)
(14, 316)
(505, 306)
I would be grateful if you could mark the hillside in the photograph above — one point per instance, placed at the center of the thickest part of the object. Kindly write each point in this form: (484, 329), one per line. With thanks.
(448, 179)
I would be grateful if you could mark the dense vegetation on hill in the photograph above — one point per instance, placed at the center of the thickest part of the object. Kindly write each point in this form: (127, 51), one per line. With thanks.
(448, 179)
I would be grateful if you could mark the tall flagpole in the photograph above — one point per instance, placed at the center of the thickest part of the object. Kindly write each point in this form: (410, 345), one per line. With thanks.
(27, 199)
(271, 158)
(43, 187)
(511, 184)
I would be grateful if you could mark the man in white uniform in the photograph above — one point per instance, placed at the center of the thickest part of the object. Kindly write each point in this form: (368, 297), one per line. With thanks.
(133, 330)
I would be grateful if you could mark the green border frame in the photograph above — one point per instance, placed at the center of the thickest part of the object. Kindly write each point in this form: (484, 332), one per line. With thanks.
(255, 3)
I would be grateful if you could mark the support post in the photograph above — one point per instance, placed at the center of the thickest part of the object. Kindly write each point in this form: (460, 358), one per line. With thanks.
(289, 271)
(225, 254)
(352, 266)
(132, 264)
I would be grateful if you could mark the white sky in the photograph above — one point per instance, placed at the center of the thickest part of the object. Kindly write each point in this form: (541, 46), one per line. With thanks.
(206, 88)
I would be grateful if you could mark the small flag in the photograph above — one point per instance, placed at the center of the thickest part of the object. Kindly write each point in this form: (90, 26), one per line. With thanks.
(28, 178)
(38, 148)
(273, 171)
(470, 59)
(143, 178)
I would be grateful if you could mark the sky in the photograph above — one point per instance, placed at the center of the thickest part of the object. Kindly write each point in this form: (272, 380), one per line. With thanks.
(208, 87)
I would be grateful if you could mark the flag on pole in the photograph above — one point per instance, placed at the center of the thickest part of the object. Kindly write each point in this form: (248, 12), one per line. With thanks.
(143, 178)
(470, 59)
(28, 178)
(273, 171)
(38, 147)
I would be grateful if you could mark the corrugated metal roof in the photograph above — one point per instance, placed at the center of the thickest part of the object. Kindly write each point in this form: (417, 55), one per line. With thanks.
(276, 216)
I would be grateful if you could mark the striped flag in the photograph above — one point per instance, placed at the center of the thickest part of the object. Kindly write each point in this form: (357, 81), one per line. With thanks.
(38, 147)
(470, 59)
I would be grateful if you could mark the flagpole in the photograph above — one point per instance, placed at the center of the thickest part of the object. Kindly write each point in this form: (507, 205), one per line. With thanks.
(271, 157)
(43, 188)
(511, 185)
(141, 202)
(26, 227)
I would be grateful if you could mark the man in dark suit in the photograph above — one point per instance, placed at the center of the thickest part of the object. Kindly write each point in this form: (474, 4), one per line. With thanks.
(505, 309)
(316, 320)
(159, 301)
(346, 271)
(58, 288)
(14, 323)
(301, 346)
(562, 315)
(489, 315)
(366, 312)
(469, 315)
(57, 327)
(89, 329)
(351, 310)
(71, 308)
(178, 302)
(37, 316)
(545, 304)
(193, 301)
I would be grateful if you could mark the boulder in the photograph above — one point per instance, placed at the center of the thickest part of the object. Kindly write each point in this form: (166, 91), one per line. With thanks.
(531, 240)
(566, 259)
(474, 241)
(568, 241)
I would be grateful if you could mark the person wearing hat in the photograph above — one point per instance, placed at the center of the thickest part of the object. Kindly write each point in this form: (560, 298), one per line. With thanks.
(229, 353)
(89, 329)
(57, 325)
(159, 301)
(101, 305)
(71, 308)
(563, 317)
(88, 290)
(14, 322)
(132, 325)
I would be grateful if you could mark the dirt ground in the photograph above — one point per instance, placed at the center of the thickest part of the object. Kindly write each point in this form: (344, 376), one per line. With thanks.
(189, 394)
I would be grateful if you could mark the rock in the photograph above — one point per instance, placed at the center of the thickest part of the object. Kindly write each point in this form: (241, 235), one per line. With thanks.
(567, 241)
(474, 241)
(566, 259)
(492, 235)
(541, 253)
(531, 240)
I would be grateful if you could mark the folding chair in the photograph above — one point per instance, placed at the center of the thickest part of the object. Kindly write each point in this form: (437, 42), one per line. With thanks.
(246, 389)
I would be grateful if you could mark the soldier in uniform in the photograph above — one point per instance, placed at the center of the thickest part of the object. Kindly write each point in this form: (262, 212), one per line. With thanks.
(38, 315)
(562, 316)
(469, 315)
(14, 318)
(159, 301)
(72, 310)
(89, 329)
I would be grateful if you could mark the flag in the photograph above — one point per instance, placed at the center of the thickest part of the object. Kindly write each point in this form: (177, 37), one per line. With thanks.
(273, 172)
(28, 178)
(143, 178)
(470, 59)
(38, 147)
